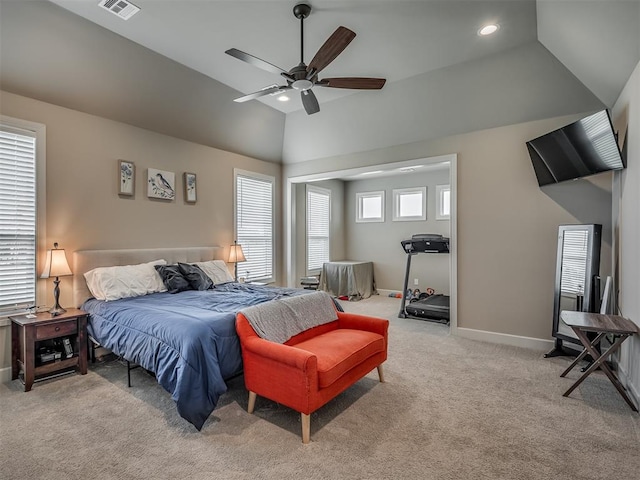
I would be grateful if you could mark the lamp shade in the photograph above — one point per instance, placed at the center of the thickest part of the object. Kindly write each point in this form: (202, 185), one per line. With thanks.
(56, 264)
(236, 254)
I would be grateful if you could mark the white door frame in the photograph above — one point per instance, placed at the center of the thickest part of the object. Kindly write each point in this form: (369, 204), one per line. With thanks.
(290, 220)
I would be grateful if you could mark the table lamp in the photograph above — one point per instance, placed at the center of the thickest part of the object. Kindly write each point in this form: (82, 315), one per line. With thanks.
(56, 266)
(236, 255)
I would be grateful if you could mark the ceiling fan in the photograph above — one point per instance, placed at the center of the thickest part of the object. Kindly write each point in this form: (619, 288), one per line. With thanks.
(302, 77)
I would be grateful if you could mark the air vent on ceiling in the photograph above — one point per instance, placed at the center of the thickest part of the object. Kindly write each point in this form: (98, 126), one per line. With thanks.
(121, 8)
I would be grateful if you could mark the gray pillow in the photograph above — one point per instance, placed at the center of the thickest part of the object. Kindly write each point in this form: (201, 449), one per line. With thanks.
(195, 276)
(172, 278)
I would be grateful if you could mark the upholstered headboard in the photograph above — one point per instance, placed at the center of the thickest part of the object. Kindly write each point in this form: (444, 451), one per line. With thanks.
(85, 260)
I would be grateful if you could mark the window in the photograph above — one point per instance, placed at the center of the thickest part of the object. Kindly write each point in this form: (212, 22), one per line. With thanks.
(410, 204)
(443, 202)
(254, 224)
(575, 250)
(18, 214)
(370, 207)
(318, 227)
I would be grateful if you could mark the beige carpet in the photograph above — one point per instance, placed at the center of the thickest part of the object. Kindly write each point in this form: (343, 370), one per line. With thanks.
(451, 409)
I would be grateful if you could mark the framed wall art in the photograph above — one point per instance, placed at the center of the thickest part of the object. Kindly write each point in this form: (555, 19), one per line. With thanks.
(126, 178)
(189, 187)
(161, 184)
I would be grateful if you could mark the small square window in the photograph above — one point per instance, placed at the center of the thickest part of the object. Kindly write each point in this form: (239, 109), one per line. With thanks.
(410, 204)
(370, 207)
(443, 202)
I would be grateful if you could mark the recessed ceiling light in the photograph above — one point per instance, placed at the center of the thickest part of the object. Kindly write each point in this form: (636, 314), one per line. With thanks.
(488, 29)
(283, 98)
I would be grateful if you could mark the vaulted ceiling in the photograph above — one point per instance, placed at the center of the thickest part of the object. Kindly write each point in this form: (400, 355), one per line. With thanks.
(425, 49)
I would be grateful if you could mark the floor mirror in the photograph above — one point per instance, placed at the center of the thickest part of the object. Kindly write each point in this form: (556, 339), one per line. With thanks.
(577, 285)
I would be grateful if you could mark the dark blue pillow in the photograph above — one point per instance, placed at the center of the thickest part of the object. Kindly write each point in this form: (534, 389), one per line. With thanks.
(172, 278)
(195, 276)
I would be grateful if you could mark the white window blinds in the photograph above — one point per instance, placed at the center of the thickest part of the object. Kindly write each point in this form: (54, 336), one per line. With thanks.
(574, 261)
(254, 225)
(17, 218)
(318, 227)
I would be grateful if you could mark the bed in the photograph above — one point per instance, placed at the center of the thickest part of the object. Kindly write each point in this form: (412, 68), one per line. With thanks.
(187, 339)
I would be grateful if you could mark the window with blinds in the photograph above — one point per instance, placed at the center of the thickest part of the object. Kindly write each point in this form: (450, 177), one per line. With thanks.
(254, 225)
(318, 227)
(574, 261)
(17, 218)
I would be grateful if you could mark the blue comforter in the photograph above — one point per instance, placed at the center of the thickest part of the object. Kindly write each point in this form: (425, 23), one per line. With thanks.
(187, 339)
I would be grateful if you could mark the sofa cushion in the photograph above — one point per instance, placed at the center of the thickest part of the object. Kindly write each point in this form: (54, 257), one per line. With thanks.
(340, 350)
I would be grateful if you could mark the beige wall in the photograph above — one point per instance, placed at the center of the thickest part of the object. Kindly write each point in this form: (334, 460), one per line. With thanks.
(507, 226)
(84, 210)
(626, 117)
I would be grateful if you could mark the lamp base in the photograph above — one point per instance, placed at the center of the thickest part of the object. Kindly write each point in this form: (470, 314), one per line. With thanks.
(55, 311)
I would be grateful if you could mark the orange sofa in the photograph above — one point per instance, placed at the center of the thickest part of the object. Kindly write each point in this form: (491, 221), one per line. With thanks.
(314, 366)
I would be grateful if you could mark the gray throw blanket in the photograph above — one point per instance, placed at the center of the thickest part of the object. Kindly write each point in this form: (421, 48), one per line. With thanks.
(279, 320)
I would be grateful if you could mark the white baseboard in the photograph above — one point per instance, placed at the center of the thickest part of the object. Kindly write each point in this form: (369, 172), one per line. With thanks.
(493, 337)
(385, 293)
(505, 339)
(5, 375)
(632, 389)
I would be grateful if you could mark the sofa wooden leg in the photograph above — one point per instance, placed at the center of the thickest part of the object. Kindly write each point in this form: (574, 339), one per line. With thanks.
(380, 373)
(252, 402)
(306, 427)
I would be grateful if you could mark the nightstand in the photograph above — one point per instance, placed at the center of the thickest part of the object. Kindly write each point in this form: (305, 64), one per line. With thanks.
(38, 347)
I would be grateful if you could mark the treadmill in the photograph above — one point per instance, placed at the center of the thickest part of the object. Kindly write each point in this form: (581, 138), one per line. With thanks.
(432, 307)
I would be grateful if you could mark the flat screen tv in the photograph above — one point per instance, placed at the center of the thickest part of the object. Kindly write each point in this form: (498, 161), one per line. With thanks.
(582, 148)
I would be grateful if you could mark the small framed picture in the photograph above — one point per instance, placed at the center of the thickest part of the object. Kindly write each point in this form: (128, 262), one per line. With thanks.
(161, 184)
(126, 178)
(189, 187)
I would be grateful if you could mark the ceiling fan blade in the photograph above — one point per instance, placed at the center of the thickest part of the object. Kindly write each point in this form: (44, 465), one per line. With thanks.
(333, 47)
(255, 61)
(358, 83)
(310, 102)
(261, 93)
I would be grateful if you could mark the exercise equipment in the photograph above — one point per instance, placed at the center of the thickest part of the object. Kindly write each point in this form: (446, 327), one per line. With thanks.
(433, 307)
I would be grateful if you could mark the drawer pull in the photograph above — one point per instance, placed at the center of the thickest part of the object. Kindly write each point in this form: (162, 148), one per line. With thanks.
(57, 329)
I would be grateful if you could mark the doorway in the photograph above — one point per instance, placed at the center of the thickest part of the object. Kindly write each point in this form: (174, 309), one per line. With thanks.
(294, 240)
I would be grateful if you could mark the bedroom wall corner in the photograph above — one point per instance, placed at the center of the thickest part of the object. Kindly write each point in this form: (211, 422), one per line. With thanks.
(626, 197)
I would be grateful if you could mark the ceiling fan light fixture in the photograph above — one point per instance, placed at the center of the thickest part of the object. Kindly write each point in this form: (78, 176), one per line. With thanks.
(302, 85)
(489, 29)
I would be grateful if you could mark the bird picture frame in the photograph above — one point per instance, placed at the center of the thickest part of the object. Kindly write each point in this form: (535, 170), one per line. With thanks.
(161, 184)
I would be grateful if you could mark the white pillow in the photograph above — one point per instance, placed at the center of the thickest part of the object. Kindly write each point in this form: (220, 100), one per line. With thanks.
(216, 270)
(112, 283)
